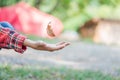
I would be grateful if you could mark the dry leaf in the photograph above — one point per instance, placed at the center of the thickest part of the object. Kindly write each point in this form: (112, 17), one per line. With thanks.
(49, 30)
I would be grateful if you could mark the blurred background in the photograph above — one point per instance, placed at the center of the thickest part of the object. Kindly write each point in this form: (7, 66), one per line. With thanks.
(92, 27)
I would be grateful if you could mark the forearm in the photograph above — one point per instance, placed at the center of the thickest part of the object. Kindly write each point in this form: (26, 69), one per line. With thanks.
(34, 44)
(29, 43)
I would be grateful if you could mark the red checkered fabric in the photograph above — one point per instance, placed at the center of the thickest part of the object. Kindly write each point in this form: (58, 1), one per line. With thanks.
(12, 40)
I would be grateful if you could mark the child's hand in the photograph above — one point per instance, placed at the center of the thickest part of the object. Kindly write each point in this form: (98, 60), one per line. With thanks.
(40, 45)
(50, 47)
(45, 46)
(49, 30)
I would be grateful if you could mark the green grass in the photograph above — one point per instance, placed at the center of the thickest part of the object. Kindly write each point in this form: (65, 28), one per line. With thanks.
(32, 73)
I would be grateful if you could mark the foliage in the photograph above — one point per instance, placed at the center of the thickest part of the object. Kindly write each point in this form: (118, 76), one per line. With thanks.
(8, 2)
(74, 13)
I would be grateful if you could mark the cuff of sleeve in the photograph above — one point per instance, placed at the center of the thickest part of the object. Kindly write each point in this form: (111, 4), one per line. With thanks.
(19, 44)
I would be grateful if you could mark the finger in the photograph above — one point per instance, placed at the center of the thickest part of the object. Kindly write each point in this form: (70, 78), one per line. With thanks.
(67, 44)
(62, 46)
(63, 43)
(60, 43)
(59, 48)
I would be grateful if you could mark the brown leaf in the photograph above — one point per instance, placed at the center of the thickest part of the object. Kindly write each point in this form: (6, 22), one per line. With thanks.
(49, 30)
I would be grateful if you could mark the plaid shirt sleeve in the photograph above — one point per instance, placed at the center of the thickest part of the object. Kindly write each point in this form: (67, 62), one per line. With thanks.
(12, 40)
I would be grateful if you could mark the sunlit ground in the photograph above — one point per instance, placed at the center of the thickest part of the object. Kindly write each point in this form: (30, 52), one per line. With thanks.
(82, 60)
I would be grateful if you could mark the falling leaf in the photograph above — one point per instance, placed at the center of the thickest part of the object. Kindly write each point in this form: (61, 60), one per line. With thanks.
(50, 30)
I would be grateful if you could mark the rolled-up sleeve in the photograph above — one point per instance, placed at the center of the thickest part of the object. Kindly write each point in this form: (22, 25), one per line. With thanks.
(12, 40)
(16, 42)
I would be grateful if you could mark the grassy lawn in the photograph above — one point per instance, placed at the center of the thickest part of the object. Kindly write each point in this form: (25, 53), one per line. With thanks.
(30, 73)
